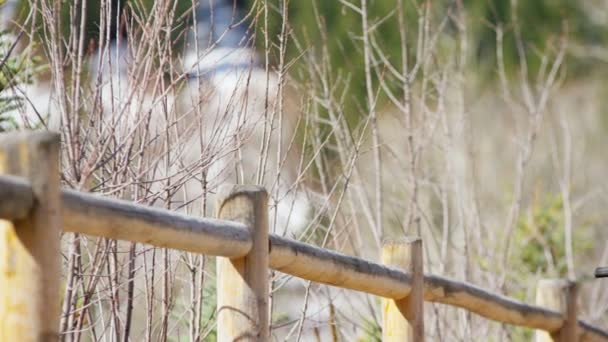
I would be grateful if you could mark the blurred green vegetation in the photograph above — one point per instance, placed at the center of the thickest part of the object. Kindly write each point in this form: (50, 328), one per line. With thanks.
(118, 23)
(539, 248)
(183, 303)
(16, 67)
(331, 27)
(540, 241)
(539, 251)
(372, 332)
(540, 25)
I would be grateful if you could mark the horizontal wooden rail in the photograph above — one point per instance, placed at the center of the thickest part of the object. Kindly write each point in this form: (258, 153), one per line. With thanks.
(332, 268)
(122, 220)
(501, 308)
(16, 197)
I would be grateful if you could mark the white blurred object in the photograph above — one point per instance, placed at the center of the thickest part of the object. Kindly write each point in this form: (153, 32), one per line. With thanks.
(234, 99)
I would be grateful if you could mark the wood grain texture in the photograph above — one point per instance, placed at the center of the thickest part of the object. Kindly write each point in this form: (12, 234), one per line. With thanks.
(403, 319)
(29, 247)
(570, 329)
(558, 295)
(337, 269)
(94, 215)
(123, 220)
(243, 282)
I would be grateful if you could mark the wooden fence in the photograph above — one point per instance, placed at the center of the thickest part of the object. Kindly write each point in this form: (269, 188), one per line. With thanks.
(33, 211)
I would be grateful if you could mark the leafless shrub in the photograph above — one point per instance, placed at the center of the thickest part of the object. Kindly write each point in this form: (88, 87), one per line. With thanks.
(445, 159)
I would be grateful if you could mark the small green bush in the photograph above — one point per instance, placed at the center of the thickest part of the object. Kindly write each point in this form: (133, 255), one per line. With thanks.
(15, 68)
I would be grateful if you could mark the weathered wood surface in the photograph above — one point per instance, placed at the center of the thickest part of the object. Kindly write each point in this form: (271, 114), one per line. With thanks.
(500, 308)
(558, 295)
(403, 319)
(122, 220)
(332, 268)
(16, 197)
(570, 329)
(29, 244)
(243, 282)
(89, 214)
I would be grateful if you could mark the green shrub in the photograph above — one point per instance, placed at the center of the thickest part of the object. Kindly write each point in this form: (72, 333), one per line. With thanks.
(16, 68)
(540, 239)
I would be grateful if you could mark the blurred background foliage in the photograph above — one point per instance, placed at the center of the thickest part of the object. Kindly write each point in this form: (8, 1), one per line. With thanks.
(331, 31)
(118, 23)
(540, 24)
(329, 27)
(16, 67)
(540, 239)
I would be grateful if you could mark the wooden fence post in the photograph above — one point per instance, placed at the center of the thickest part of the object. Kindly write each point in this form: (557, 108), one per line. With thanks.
(559, 295)
(242, 283)
(403, 318)
(29, 248)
